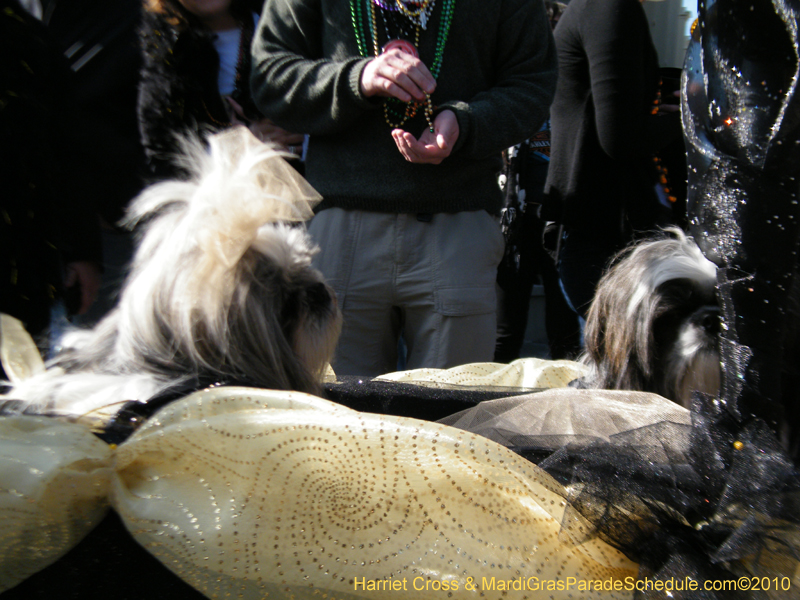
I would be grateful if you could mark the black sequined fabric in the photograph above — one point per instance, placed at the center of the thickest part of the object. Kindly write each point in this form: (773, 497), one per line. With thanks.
(707, 502)
(741, 113)
(693, 497)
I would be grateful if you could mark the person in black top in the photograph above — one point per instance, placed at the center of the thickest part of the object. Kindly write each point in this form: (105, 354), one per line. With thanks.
(49, 238)
(607, 122)
(195, 76)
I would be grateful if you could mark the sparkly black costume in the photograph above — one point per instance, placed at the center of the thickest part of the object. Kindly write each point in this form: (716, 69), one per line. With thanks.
(741, 115)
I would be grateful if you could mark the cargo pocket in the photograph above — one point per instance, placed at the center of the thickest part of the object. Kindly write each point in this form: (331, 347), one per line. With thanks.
(469, 246)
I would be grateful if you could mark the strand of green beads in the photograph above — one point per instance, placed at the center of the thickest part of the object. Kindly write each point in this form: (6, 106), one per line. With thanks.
(389, 112)
(355, 17)
(448, 8)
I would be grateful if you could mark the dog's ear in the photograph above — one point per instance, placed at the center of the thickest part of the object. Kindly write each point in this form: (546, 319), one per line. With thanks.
(606, 332)
(315, 328)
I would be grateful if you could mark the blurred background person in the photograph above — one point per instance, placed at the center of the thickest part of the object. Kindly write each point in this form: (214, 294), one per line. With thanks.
(100, 43)
(526, 260)
(196, 76)
(49, 238)
(607, 122)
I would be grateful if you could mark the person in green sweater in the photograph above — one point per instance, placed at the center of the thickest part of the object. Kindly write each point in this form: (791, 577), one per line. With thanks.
(408, 106)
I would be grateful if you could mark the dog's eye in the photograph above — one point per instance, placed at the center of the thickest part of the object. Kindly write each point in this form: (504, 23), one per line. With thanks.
(318, 296)
(709, 318)
(314, 299)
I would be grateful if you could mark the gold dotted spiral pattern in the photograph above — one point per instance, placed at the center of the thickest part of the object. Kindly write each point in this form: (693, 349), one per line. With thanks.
(244, 496)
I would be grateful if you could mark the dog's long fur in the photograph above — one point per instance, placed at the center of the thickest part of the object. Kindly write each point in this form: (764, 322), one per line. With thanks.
(221, 289)
(653, 323)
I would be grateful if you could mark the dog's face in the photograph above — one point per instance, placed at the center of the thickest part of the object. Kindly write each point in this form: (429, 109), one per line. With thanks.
(283, 318)
(654, 322)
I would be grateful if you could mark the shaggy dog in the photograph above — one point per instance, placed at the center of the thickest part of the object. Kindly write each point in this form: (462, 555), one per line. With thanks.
(221, 289)
(654, 321)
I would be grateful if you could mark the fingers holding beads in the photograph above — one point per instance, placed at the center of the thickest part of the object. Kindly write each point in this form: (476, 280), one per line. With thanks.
(397, 74)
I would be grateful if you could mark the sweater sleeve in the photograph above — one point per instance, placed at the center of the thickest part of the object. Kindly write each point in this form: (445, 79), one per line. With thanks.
(517, 103)
(292, 83)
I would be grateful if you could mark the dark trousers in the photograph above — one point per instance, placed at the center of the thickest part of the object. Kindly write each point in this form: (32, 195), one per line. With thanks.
(514, 295)
(582, 260)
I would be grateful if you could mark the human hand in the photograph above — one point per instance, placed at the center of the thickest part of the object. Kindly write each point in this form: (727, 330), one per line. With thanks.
(264, 129)
(431, 148)
(267, 131)
(397, 74)
(86, 275)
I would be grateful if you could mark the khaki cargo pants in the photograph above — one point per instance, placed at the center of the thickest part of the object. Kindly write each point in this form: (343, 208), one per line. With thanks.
(433, 280)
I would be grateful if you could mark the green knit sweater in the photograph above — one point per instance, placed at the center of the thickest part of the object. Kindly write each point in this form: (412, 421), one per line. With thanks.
(498, 75)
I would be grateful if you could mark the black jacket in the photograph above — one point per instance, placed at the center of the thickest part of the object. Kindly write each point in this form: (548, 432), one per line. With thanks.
(604, 132)
(178, 90)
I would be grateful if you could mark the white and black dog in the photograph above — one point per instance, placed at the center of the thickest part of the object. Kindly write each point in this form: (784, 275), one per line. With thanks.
(221, 289)
(654, 321)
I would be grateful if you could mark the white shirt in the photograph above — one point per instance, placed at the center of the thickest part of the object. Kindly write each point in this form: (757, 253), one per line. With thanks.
(226, 44)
